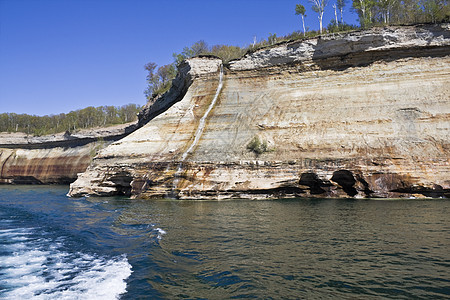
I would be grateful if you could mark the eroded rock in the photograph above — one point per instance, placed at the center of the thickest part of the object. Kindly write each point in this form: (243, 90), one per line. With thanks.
(363, 114)
(53, 159)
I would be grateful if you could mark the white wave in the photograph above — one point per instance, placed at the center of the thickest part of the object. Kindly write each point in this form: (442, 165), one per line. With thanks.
(40, 269)
(160, 233)
(14, 232)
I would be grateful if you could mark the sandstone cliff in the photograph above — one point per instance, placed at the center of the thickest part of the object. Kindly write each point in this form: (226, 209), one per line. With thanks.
(363, 114)
(53, 158)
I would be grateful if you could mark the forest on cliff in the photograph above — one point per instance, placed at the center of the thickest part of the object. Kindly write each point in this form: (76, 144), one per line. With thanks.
(79, 119)
(371, 13)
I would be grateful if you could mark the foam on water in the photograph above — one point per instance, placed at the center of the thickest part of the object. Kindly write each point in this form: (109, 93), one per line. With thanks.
(34, 266)
(160, 233)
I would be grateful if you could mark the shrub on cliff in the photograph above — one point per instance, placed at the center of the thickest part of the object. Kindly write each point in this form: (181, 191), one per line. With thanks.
(340, 27)
(257, 146)
(225, 52)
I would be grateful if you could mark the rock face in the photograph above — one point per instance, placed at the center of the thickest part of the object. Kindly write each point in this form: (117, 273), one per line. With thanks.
(344, 48)
(53, 158)
(363, 114)
(187, 72)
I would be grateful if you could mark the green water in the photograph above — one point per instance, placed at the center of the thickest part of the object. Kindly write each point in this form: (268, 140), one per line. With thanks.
(298, 248)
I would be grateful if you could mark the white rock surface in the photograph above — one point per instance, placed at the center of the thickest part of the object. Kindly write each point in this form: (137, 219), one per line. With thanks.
(343, 44)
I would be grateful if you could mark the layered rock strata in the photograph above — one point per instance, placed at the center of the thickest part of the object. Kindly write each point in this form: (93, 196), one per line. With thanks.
(53, 159)
(364, 114)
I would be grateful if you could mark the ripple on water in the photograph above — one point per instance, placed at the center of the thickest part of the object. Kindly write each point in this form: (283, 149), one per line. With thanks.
(291, 249)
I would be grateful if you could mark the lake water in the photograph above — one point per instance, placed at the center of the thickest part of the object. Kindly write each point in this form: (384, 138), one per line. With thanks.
(54, 247)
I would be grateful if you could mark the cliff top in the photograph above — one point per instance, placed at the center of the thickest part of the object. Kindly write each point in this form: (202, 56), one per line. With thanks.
(18, 139)
(340, 44)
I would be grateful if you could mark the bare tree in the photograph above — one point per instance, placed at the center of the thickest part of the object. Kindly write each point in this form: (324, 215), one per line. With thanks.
(335, 14)
(340, 6)
(319, 7)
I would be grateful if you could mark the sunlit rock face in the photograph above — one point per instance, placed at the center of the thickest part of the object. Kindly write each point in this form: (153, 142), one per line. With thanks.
(56, 165)
(53, 159)
(363, 114)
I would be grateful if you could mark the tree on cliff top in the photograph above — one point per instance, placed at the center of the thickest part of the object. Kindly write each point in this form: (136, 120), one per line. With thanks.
(340, 6)
(200, 47)
(158, 81)
(300, 10)
(82, 118)
(319, 7)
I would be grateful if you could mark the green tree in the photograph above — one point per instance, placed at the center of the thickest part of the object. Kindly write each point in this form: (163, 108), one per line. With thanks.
(152, 79)
(200, 47)
(83, 118)
(436, 10)
(408, 11)
(384, 8)
(159, 81)
(300, 10)
(166, 74)
(272, 39)
(364, 10)
(128, 112)
(227, 53)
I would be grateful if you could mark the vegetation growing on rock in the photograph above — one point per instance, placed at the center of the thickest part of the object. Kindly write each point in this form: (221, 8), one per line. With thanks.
(257, 146)
(370, 12)
(159, 80)
(349, 144)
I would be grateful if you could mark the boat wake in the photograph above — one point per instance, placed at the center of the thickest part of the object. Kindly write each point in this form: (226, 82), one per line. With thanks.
(35, 265)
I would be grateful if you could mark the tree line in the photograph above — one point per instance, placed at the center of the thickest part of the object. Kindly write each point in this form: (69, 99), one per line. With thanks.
(78, 119)
(380, 12)
(370, 13)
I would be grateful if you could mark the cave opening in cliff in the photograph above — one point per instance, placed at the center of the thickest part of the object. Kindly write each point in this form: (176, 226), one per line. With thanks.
(346, 180)
(314, 183)
(122, 183)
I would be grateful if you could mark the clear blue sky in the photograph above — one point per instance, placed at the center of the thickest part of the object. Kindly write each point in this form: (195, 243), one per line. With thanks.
(61, 55)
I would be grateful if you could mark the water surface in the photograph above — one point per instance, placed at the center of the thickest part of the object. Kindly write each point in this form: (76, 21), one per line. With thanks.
(54, 247)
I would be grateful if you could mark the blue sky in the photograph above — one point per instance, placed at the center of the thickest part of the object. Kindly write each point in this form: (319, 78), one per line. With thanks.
(61, 55)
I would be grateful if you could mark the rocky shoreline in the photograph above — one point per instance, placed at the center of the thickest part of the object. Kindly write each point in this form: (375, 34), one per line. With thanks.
(56, 158)
(359, 114)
